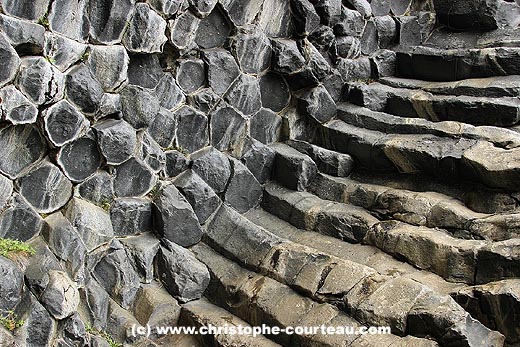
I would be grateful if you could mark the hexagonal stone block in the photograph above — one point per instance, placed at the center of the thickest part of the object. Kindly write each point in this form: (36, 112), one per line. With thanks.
(19, 221)
(176, 163)
(79, 159)
(26, 37)
(39, 81)
(252, 51)
(69, 19)
(62, 51)
(259, 159)
(108, 20)
(11, 61)
(168, 92)
(34, 187)
(228, 128)
(183, 30)
(316, 103)
(213, 167)
(244, 95)
(22, 146)
(139, 105)
(275, 91)
(116, 139)
(83, 90)
(133, 178)
(145, 70)
(109, 66)
(191, 75)
(222, 69)
(131, 216)
(63, 123)
(162, 129)
(265, 126)
(192, 129)
(15, 107)
(150, 152)
(213, 30)
(243, 191)
(145, 33)
(97, 188)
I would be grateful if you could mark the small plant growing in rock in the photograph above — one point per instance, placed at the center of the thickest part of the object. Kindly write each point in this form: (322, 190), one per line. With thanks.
(154, 192)
(103, 334)
(105, 204)
(84, 56)
(44, 20)
(10, 322)
(14, 248)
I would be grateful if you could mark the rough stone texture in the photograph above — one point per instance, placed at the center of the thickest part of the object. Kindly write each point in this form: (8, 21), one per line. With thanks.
(39, 81)
(176, 163)
(162, 129)
(259, 159)
(265, 126)
(213, 30)
(244, 95)
(12, 284)
(292, 168)
(142, 250)
(83, 89)
(62, 51)
(192, 129)
(133, 178)
(243, 191)
(61, 296)
(63, 123)
(145, 33)
(15, 107)
(222, 69)
(131, 216)
(145, 70)
(69, 19)
(213, 167)
(317, 103)
(274, 91)
(228, 128)
(116, 139)
(174, 217)
(252, 51)
(109, 65)
(183, 30)
(168, 92)
(26, 37)
(191, 75)
(79, 159)
(139, 106)
(97, 188)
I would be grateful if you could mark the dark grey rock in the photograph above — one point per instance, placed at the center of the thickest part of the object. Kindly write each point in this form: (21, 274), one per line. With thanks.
(291, 168)
(145, 70)
(380, 7)
(176, 162)
(91, 222)
(347, 47)
(202, 7)
(39, 81)
(19, 221)
(306, 20)
(213, 167)
(150, 152)
(192, 129)
(386, 31)
(329, 11)
(83, 90)
(244, 95)
(259, 159)
(34, 187)
(166, 7)
(109, 20)
(243, 12)
(11, 61)
(414, 30)
(39, 326)
(97, 188)
(26, 9)
(243, 191)
(11, 277)
(369, 39)
(464, 15)
(109, 66)
(322, 38)
(146, 31)
(79, 159)
(174, 218)
(73, 331)
(355, 69)
(183, 30)
(213, 30)
(15, 107)
(62, 51)
(61, 296)
(252, 50)
(383, 63)
(133, 178)
(222, 69)
(198, 193)
(362, 6)
(275, 91)
(287, 57)
(181, 273)
(204, 100)
(142, 250)
(317, 103)
(22, 146)
(191, 75)
(334, 84)
(6, 189)
(329, 162)
(40, 264)
(169, 93)
(139, 105)
(497, 261)
(228, 128)
(69, 19)
(163, 127)
(275, 19)
(351, 24)
(116, 139)
(95, 302)
(63, 123)
(265, 126)
(400, 7)
(26, 37)
(116, 275)
(110, 106)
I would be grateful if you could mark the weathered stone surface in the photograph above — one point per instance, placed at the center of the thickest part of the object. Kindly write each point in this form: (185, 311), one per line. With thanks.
(166, 7)
(222, 69)
(192, 129)
(61, 296)
(383, 63)
(181, 273)
(329, 162)
(275, 18)
(15, 107)
(176, 162)
(191, 75)
(275, 91)
(306, 20)
(317, 103)
(213, 167)
(265, 126)
(462, 14)
(228, 128)
(213, 30)
(63, 123)
(133, 178)
(109, 66)
(145, 70)
(292, 168)
(414, 30)
(243, 191)
(244, 95)
(97, 188)
(287, 58)
(162, 129)
(241, 13)
(139, 105)
(22, 145)
(259, 159)
(204, 100)
(115, 273)
(202, 7)
(12, 284)
(386, 31)
(108, 20)
(116, 139)
(351, 24)
(150, 152)
(83, 89)
(34, 187)
(6, 189)
(174, 218)
(198, 193)
(183, 30)
(26, 37)
(146, 31)
(79, 159)
(497, 261)
(39, 81)
(62, 51)
(156, 307)
(32, 10)
(91, 222)
(169, 93)
(131, 216)
(142, 250)
(39, 325)
(69, 19)
(252, 51)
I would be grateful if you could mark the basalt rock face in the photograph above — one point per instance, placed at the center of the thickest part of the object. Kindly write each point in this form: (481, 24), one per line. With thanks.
(280, 162)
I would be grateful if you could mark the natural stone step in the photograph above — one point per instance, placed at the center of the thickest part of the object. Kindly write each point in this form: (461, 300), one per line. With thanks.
(417, 103)
(423, 208)
(491, 87)
(258, 299)
(432, 64)
(384, 122)
(201, 313)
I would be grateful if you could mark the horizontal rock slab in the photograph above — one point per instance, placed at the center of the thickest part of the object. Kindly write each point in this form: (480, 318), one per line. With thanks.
(497, 261)
(329, 162)
(292, 168)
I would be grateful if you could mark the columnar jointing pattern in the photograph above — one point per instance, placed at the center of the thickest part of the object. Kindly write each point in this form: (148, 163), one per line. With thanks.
(279, 162)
